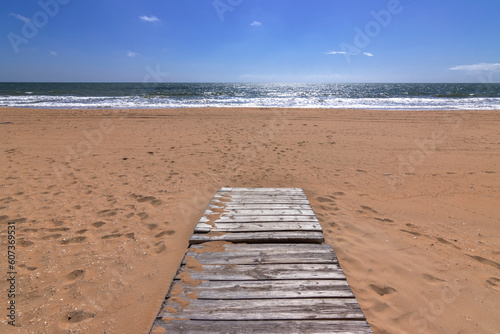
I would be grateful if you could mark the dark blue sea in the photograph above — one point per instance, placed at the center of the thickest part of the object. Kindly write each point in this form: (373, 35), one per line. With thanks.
(181, 95)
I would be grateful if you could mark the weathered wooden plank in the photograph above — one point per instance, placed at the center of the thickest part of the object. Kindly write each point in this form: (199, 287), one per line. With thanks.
(270, 248)
(261, 190)
(275, 289)
(257, 227)
(241, 196)
(259, 202)
(250, 206)
(249, 219)
(237, 197)
(259, 237)
(262, 212)
(265, 272)
(266, 309)
(276, 257)
(268, 327)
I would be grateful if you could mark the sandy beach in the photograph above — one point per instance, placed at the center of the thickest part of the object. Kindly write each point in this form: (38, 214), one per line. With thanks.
(104, 202)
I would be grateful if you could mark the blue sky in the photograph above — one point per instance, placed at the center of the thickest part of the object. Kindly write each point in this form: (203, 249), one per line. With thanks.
(250, 40)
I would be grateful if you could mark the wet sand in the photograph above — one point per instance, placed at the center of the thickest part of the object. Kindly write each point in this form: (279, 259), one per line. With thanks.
(104, 202)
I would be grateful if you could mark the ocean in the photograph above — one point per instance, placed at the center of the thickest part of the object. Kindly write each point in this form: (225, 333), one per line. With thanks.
(181, 95)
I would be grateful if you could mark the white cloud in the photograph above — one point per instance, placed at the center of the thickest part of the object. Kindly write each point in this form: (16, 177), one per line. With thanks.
(149, 18)
(20, 17)
(368, 54)
(131, 54)
(256, 24)
(489, 67)
(53, 53)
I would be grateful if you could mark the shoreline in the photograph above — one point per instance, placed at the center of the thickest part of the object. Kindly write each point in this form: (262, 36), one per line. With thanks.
(248, 108)
(106, 199)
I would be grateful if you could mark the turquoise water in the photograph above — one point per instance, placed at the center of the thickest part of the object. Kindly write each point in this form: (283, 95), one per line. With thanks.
(179, 95)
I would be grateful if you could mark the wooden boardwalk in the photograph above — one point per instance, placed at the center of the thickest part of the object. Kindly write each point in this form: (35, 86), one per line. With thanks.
(257, 264)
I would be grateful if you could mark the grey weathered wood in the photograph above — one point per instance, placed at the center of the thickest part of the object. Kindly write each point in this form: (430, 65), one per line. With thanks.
(270, 248)
(250, 219)
(262, 199)
(248, 272)
(268, 327)
(255, 195)
(259, 206)
(267, 272)
(257, 227)
(261, 190)
(275, 289)
(266, 309)
(260, 237)
(265, 257)
(262, 212)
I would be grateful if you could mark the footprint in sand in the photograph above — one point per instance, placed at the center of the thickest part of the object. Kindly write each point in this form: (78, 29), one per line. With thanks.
(52, 236)
(57, 222)
(107, 213)
(159, 247)
(485, 261)
(446, 242)
(387, 290)
(161, 234)
(152, 200)
(379, 307)
(58, 229)
(98, 224)
(74, 317)
(494, 283)
(24, 243)
(73, 276)
(333, 224)
(111, 236)
(330, 199)
(432, 280)
(75, 240)
(143, 215)
(151, 227)
(384, 220)
(411, 232)
(367, 208)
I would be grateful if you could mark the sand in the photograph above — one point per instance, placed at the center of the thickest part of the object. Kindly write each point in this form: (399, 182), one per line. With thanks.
(104, 202)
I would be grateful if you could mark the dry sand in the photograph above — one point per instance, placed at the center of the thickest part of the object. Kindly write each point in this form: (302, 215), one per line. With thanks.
(104, 203)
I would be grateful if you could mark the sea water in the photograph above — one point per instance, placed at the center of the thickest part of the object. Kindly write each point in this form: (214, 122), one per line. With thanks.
(182, 95)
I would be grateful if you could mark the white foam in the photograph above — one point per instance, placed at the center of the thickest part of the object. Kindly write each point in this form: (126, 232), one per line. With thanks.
(273, 99)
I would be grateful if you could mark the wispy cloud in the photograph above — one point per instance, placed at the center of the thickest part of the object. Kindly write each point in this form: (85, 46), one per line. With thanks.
(53, 53)
(335, 53)
(256, 24)
(20, 17)
(149, 18)
(131, 54)
(482, 67)
(368, 54)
